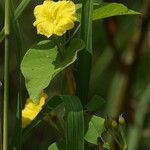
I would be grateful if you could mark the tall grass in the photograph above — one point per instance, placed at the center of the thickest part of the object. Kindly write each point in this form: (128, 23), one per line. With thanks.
(85, 56)
(6, 74)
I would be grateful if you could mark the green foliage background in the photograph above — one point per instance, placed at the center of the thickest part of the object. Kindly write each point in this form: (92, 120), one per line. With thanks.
(106, 76)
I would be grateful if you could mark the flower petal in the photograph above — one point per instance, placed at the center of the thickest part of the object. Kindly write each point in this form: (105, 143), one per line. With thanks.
(54, 17)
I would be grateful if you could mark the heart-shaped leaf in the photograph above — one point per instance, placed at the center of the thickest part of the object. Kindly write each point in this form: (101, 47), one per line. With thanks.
(43, 62)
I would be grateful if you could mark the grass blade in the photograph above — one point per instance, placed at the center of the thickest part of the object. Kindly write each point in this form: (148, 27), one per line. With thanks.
(20, 8)
(74, 123)
(85, 56)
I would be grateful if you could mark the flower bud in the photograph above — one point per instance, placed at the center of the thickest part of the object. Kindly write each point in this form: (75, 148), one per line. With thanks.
(114, 124)
(121, 120)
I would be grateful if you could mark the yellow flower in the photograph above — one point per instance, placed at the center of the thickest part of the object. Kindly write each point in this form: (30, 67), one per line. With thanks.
(54, 17)
(31, 110)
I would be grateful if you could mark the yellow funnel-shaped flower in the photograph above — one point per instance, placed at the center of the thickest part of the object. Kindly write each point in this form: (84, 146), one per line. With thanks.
(31, 110)
(54, 17)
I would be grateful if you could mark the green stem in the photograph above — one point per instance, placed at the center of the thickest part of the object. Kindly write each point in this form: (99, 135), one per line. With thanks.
(85, 56)
(6, 86)
(74, 33)
(16, 140)
(6, 73)
(60, 49)
(60, 46)
(1, 117)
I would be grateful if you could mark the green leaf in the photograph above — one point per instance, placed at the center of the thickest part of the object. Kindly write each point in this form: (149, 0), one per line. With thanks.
(105, 10)
(74, 123)
(42, 63)
(112, 9)
(57, 146)
(53, 147)
(95, 128)
(96, 103)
